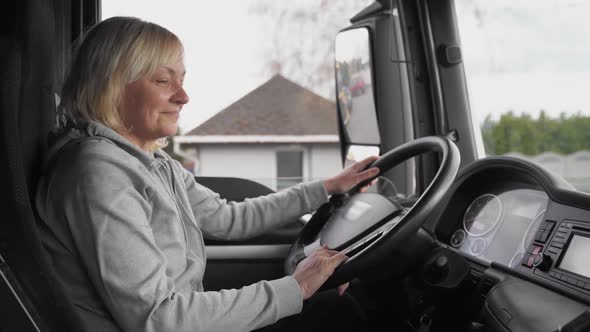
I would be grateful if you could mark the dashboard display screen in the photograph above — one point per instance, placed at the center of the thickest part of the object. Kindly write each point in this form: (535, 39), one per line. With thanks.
(576, 256)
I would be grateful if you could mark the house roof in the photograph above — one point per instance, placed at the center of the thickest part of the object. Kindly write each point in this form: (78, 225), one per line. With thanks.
(277, 107)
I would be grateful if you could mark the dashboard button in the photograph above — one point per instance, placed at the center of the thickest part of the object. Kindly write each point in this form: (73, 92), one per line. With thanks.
(544, 237)
(549, 225)
(530, 248)
(539, 234)
(525, 260)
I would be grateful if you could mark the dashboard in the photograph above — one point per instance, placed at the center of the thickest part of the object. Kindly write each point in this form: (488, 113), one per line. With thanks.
(519, 218)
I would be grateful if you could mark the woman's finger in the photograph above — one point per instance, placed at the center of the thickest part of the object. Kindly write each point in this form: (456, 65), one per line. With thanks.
(371, 172)
(342, 288)
(360, 165)
(338, 259)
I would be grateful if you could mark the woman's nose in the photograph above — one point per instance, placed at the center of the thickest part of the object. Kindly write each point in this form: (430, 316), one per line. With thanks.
(180, 97)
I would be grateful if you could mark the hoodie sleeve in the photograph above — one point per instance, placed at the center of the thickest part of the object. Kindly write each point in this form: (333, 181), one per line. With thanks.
(241, 220)
(108, 210)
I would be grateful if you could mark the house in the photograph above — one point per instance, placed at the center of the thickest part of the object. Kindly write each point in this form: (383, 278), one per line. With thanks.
(279, 134)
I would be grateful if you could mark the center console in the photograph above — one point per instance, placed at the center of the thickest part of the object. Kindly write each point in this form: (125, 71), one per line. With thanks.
(560, 252)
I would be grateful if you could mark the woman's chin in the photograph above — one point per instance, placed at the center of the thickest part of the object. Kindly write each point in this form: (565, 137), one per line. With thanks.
(170, 130)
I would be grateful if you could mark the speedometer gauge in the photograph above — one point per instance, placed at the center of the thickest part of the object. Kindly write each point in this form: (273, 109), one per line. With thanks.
(482, 215)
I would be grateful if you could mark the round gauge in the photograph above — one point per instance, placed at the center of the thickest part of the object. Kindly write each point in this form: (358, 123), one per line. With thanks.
(478, 246)
(482, 215)
(532, 230)
(458, 238)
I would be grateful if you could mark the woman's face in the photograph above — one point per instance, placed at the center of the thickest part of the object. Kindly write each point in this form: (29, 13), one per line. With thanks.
(151, 105)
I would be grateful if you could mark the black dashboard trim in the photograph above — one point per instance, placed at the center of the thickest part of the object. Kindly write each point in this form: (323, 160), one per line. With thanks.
(557, 188)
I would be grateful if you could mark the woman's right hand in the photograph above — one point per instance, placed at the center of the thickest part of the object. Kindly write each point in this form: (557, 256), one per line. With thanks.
(315, 269)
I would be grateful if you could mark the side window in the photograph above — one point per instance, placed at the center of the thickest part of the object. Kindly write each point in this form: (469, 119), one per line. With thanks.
(527, 70)
(260, 81)
(289, 168)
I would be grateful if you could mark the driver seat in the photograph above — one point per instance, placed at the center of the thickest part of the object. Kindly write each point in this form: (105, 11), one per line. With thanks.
(34, 37)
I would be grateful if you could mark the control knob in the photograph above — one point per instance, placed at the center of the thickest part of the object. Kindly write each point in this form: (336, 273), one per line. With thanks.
(437, 270)
(542, 262)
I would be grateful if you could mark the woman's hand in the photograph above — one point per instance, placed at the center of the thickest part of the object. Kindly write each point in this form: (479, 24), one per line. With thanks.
(315, 269)
(351, 176)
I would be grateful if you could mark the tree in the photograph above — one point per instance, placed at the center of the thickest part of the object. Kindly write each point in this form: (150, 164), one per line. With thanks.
(522, 133)
(302, 44)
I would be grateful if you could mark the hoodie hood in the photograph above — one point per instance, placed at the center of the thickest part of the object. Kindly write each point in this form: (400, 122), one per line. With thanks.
(89, 130)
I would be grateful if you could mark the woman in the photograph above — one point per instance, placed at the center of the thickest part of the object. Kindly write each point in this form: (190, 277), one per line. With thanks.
(126, 222)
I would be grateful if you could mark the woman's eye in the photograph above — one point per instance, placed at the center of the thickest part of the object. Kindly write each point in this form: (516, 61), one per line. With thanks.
(162, 82)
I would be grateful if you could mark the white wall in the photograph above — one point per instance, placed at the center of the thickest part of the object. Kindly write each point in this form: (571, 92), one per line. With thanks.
(325, 160)
(258, 161)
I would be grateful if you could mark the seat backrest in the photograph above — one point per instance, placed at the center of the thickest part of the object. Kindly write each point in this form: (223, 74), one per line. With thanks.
(32, 37)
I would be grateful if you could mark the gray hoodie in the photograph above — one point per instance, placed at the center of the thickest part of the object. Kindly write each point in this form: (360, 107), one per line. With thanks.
(125, 235)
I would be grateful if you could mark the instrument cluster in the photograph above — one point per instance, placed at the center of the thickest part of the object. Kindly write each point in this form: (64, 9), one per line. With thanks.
(500, 226)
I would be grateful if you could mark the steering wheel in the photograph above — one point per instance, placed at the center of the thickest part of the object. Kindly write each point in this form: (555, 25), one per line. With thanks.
(367, 226)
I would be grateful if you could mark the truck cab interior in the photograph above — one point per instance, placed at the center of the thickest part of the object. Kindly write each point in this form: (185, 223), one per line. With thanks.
(463, 243)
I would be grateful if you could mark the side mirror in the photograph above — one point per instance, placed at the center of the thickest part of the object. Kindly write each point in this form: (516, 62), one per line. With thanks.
(354, 90)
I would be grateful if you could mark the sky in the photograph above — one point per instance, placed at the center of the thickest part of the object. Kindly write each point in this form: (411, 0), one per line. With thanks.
(520, 55)
(526, 55)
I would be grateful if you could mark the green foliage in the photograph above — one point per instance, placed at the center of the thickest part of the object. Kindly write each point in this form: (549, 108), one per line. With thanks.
(527, 135)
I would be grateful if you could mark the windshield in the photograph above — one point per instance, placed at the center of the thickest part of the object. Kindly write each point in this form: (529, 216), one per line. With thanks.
(260, 77)
(527, 69)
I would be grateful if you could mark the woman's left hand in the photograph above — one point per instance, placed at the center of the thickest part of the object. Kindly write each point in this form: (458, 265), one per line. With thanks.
(351, 176)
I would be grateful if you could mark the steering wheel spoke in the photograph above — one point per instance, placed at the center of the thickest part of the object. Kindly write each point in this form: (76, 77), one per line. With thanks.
(357, 248)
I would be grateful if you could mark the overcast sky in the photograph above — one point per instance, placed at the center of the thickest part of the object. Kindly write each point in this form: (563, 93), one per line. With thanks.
(521, 55)
(526, 55)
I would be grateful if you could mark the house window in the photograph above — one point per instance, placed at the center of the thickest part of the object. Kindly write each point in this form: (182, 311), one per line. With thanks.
(289, 168)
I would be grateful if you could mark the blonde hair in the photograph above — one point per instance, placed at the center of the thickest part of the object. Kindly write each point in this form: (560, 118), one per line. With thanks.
(114, 53)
